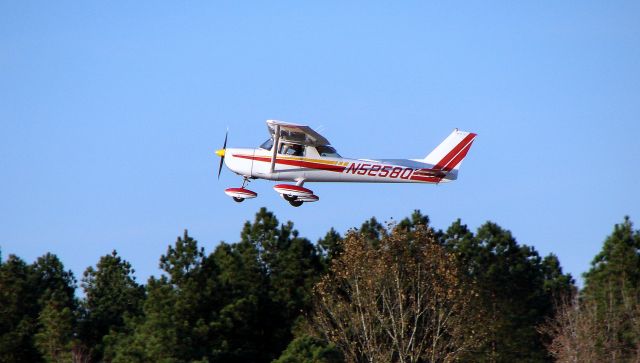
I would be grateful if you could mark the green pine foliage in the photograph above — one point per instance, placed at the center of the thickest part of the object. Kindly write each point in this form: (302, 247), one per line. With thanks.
(612, 285)
(111, 296)
(308, 349)
(617, 265)
(54, 338)
(245, 301)
(18, 313)
(37, 306)
(518, 288)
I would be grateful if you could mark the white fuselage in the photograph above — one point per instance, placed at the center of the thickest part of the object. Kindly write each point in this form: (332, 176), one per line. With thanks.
(312, 167)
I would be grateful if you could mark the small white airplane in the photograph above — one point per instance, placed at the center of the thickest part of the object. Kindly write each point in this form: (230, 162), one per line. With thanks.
(297, 153)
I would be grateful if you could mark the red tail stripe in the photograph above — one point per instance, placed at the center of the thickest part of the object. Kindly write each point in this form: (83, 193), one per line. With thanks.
(459, 157)
(447, 158)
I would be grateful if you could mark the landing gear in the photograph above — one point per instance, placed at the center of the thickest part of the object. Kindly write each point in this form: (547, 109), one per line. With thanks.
(295, 203)
(240, 194)
(296, 195)
(245, 180)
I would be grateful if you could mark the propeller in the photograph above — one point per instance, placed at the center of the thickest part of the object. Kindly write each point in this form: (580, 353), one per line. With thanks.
(221, 152)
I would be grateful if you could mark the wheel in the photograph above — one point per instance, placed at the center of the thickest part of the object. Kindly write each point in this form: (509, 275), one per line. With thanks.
(295, 203)
(289, 197)
(238, 200)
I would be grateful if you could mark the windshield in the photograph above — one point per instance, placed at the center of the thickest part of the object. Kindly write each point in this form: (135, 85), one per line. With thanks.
(267, 145)
(327, 150)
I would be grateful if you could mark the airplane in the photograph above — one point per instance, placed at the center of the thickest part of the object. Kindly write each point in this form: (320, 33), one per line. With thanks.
(298, 154)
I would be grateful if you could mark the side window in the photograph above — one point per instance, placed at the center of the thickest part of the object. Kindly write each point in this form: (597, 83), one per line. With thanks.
(267, 145)
(291, 149)
(326, 150)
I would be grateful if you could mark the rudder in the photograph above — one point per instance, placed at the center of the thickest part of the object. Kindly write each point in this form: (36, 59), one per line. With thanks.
(449, 154)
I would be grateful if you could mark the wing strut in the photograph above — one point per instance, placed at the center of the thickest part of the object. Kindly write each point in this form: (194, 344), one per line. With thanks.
(276, 139)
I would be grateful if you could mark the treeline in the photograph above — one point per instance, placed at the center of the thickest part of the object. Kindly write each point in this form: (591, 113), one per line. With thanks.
(370, 295)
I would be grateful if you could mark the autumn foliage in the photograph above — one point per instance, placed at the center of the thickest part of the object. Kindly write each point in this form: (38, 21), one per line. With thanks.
(402, 299)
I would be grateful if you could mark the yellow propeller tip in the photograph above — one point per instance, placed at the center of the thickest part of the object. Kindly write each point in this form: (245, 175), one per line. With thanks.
(220, 152)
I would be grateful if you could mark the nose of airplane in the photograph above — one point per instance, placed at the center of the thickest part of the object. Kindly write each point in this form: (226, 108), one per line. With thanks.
(220, 152)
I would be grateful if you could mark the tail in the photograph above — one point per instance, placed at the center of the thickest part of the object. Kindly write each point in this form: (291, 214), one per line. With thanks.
(449, 154)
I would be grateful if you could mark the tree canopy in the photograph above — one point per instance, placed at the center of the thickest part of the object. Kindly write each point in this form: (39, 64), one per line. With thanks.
(259, 299)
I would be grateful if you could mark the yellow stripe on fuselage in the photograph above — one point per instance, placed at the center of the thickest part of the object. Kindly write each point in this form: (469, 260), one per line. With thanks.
(319, 161)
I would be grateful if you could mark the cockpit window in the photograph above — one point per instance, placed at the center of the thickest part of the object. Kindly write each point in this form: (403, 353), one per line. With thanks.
(291, 149)
(267, 145)
(326, 150)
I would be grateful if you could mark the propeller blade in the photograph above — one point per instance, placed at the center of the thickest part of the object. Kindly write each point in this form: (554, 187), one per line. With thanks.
(226, 134)
(220, 167)
(224, 148)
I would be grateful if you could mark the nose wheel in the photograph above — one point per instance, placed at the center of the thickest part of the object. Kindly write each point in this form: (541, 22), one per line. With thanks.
(242, 193)
(296, 203)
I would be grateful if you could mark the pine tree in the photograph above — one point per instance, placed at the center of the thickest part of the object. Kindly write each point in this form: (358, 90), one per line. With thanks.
(307, 349)
(517, 288)
(51, 281)
(177, 313)
(617, 265)
(111, 295)
(274, 272)
(18, 313)
(330, 246)
(54, 338)
(612, 285)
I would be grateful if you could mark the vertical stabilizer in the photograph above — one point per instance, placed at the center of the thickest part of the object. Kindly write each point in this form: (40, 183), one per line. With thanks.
(449, 154)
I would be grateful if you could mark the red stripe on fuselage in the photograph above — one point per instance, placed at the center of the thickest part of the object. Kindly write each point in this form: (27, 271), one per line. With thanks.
(305, 164)
(335, 168)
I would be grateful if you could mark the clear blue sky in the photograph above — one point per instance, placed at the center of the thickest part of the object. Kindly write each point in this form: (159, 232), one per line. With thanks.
(110, 113)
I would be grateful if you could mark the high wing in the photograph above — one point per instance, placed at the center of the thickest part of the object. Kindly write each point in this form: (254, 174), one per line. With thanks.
(296, 133)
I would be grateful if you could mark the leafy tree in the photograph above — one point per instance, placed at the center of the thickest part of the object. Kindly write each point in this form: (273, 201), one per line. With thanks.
(111, 294)
(586, 330)
(401, 299)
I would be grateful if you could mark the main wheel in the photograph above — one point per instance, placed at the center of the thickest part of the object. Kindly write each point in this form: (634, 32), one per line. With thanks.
(295, 203)
(238, 200)
(289, 197)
